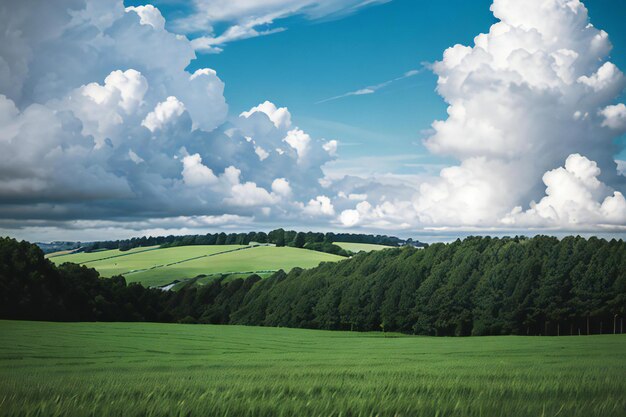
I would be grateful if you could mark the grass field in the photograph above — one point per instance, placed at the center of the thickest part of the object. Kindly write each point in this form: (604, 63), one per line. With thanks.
(360, 247)
(261, 258)
(111, 369)
(153, 266)
(84, 257)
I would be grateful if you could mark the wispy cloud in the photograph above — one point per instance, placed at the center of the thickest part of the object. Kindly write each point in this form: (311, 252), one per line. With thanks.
(252, 18)
(373, 88)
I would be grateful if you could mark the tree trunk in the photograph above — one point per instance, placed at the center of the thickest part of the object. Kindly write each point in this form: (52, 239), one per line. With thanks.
(587, 325)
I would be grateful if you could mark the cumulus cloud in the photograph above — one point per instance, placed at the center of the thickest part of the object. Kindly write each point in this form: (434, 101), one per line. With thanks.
(319, 206)
(163, 114)
(95, 127)
(281, 187)
(149, 15)
(279, 116)
(196, 174)
(533, 90)
(574, 197)
(299, 141)
(614, 117)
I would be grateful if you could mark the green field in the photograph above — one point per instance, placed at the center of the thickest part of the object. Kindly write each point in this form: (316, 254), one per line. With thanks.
(153, 266)
(83, 257)
(360, 247)
(112, 369)
(261, 258)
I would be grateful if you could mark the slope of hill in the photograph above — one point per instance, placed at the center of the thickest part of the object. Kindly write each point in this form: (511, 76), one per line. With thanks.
(360, 247)
(153, 266)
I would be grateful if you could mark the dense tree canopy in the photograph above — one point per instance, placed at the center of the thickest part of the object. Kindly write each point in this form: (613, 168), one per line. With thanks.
(478, 286)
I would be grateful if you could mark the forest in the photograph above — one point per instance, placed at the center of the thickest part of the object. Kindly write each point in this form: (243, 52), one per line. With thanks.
(475, 286)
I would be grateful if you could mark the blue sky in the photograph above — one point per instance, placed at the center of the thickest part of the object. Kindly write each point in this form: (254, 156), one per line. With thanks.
(119, 118)
(319, 59)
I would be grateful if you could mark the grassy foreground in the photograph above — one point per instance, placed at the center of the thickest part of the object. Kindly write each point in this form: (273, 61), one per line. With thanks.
(83, 369)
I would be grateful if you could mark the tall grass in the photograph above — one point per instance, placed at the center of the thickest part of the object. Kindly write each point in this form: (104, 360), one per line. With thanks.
(83, 369)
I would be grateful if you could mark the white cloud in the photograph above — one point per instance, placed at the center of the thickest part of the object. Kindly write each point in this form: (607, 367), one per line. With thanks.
(614, 116)
(331, 147)
(164, 113)
(279, 116)
(252, 18)
(214, 45)
(92, 124)
(350, 218)
(262, 153)
(574, 197)
(299, 141)
(103, 109)
(149, 15)
(357, 197)
(387, 215)
(195, 174)
(372, 88)
(319, 206)
(250, 195)
(281, 187)
(533, 90)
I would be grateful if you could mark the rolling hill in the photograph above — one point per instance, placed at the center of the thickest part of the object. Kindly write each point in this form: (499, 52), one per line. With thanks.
(154, 266)
(360, 247)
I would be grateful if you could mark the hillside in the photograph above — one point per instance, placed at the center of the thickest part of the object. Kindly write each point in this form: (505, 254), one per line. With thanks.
(154, 266)
(361, 247)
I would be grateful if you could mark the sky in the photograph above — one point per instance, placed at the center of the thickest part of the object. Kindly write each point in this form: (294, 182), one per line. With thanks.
(124, 119)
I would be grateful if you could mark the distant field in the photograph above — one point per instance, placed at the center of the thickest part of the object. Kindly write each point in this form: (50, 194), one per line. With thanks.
(141, 369)
(59, 253)
(83, 257)
(360, 247)
(262, 258)
(153, 266)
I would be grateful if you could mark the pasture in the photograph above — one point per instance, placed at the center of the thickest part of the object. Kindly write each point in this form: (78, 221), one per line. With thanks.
(360, 247)
(142, 369)
(84, 257)
(154, 266)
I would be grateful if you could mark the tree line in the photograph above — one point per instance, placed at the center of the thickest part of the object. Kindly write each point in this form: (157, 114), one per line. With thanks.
(478, 286)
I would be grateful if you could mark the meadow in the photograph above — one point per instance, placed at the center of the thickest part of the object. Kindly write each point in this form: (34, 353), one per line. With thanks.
(360, 247)
(141, 369)
(154, 266)
(84, 257)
